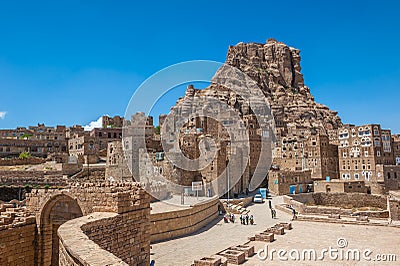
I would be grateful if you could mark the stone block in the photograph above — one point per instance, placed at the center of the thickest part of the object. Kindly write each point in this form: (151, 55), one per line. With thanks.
(208, 261)
(286, 226)
(233, 256)
(248, 250)
(264, 237)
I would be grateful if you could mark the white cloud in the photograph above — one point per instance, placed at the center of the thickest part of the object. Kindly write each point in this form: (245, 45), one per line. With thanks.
(3, 115)
(94, 124)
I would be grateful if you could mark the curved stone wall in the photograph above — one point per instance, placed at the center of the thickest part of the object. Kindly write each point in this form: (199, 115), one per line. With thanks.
(77, 249)
(104, 238)
(172, 224)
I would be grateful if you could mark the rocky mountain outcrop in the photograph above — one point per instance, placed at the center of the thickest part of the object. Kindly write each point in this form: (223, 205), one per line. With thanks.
(276, 69)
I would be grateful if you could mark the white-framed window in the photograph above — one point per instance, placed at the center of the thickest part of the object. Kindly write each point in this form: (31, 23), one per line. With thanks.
(378, 153)
(356, 176)
(344, 154)
(366, 153)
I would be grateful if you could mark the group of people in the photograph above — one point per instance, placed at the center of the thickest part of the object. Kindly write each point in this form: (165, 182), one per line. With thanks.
(245, 219)
(229, 218)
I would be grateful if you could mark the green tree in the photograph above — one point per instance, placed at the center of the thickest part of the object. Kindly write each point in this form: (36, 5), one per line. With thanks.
(24, 155)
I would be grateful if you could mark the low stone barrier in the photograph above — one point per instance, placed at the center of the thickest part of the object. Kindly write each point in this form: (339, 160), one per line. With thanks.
(77, 249)
(172, 224)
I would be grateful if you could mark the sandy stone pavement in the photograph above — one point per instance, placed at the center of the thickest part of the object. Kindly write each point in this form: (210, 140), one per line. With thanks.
(305, 235)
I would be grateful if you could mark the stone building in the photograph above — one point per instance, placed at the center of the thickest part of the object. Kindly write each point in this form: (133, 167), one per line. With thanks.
(339, 186)
(39, 141)
(103, 136)
(391, 174)
(396, 148)
(112, 122)
(116, 165)
(84, 147)
(303, 149)
(361, 150)
(394, 205)
(281, 182)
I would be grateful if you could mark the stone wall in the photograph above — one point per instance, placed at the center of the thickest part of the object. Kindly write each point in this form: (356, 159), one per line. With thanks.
(168, 225)
(394, 205)
(17, 161)
(279, 182)
(350, 200)
(93, 174)
(40, 178)
(72, 239)
(339, 203)
(339, 186)
(120, 198)
(125, 235)
(17, 237)
(113, 239)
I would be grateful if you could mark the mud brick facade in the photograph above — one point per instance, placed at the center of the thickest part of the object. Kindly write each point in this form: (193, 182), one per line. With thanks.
(363, 151)
(289, 182)
(391, 174)
(338, 186)
(396, 148)
(303, 149)
(38, 140)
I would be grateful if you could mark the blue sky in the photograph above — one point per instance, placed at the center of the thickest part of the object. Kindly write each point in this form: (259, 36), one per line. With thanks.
(70, 62)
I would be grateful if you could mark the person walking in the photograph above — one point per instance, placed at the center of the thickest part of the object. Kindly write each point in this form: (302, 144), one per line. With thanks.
(272, 213)
(270, 204)
(247, 219)
(241, 219)
(251, 219)
(294, 214)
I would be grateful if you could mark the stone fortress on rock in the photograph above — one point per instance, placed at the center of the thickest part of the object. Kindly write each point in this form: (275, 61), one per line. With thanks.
(62, 187)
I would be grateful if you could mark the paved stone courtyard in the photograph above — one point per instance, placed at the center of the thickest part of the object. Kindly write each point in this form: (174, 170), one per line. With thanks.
(214, 238)
(305, 235)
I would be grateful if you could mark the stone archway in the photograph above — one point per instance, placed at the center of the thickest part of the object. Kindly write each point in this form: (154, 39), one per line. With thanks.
(56, 211)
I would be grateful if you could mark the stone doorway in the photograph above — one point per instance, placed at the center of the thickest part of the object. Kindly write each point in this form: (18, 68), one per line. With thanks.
(56, 211)
(328, 188)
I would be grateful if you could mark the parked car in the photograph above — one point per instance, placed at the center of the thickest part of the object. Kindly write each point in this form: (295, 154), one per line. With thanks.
(258, 198)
